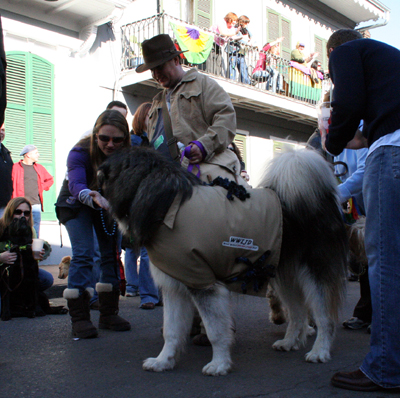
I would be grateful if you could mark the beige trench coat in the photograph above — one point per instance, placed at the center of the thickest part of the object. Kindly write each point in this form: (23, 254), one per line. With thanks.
(202, 111)
(200, 240)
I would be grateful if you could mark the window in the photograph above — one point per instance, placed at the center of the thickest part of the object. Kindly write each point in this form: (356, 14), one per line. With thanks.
(279, 26)
(320, 48)
(240, 141)
(203, 13)
(29, 115)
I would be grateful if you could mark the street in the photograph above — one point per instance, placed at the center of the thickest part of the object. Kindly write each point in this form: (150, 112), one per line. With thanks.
(39, 358)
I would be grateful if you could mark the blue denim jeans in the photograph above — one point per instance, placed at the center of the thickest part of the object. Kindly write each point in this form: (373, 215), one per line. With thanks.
(147, 288)
(46, 280)
(37, 216)
(238, 61)
(80, 231)
(381, 188)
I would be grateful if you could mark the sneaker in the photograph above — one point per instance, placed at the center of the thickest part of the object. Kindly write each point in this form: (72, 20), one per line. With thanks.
(132, 294)
(355, 323)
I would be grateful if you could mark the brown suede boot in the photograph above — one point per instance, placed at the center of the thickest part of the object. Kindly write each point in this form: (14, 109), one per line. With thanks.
(79, 310)
(108, 307)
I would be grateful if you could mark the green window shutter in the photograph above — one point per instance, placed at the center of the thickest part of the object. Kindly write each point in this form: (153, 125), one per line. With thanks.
(320, 48)
(240, 141)
(203, 13)
(277, 26)
(273, 31)
(15, 116)
(30, 113)
(286, 33)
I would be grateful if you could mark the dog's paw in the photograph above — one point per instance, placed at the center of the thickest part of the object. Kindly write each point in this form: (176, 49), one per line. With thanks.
(217, 368)
(285, 345)
(316, 357)
(156, 365)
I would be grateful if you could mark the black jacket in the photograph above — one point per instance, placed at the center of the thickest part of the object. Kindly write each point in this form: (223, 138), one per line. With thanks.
(366, 81)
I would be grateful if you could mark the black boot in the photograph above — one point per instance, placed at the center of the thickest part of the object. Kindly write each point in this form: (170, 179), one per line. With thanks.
(108, 307)
(79, 310)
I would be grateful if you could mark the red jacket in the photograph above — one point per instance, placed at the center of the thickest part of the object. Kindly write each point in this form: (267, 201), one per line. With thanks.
(261, 63)
(45, 180)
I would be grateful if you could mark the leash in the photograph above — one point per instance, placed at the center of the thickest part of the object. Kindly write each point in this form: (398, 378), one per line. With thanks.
(232, 187)
(257, 273)
(186, 153)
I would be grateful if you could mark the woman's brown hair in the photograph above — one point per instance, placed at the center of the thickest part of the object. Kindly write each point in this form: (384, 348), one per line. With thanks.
(8, 214)
(139, 118)
(230, 17)
(97, 157)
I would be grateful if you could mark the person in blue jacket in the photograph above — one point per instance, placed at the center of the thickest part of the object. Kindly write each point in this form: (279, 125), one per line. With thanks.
(81, 207)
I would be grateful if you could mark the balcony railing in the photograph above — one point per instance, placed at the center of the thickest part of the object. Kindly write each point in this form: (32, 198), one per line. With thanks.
(226, 60)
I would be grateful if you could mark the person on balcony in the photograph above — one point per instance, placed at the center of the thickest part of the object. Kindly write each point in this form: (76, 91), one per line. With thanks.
(226, 28)
(297, 55)
(237, 48)
(269, 73)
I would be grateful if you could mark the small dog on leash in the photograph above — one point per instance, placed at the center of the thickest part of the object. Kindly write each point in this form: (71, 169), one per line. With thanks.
(63, 268)
(152, 197)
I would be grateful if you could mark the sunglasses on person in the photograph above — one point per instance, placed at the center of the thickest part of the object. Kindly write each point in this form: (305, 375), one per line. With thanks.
(18, 212)
(107, 138)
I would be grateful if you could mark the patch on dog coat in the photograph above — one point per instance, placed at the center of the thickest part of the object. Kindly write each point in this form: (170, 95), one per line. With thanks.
(194, 248)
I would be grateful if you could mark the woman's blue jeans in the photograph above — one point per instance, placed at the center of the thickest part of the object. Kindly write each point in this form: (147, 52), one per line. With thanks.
(269, 75)
(381, 189)
(147, 288)
(238, 61)
(37, 217)
(80, 231)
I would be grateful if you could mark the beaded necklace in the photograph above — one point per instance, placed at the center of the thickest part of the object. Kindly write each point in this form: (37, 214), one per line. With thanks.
(114, 228)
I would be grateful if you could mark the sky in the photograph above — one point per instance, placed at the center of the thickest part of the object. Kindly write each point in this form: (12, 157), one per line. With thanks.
(390, 33)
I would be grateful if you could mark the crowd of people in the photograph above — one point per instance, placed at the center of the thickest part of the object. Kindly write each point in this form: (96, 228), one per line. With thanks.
(233, 55)
(193, 121)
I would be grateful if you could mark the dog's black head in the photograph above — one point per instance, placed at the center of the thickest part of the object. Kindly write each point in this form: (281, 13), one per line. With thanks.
(19, 232)
(140, 185)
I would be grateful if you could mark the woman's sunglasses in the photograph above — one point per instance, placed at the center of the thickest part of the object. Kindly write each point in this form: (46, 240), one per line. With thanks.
(106, 138)
(18, 212)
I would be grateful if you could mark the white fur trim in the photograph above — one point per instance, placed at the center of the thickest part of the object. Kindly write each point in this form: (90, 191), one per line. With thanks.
(74, 293)
(104, 287)
(71, 294)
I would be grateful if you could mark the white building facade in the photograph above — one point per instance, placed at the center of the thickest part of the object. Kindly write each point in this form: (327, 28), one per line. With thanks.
(68, 59)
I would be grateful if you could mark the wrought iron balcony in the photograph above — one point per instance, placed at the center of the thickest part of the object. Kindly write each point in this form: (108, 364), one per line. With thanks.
(226, 59)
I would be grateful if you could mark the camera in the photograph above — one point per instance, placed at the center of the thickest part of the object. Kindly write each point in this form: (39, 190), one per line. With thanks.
(244, 31)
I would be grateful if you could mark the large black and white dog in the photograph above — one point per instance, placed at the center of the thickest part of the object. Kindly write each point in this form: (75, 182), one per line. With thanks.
(310, 279)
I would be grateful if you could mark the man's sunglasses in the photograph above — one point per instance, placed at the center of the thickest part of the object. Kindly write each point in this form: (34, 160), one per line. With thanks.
(18, 212)
(106, 138)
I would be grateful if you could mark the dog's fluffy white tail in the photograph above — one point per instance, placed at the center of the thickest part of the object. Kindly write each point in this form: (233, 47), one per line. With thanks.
(300, 177)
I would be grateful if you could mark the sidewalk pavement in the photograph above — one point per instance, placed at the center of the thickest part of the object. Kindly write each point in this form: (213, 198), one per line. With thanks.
(39, 358)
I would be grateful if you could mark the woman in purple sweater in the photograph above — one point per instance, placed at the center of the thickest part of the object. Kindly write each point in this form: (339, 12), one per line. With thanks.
(80, 207)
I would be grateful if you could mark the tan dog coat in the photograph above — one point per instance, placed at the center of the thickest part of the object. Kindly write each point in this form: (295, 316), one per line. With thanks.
(199, 240)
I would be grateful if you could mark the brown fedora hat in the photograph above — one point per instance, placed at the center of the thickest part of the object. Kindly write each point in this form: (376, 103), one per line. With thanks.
(156, 51)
